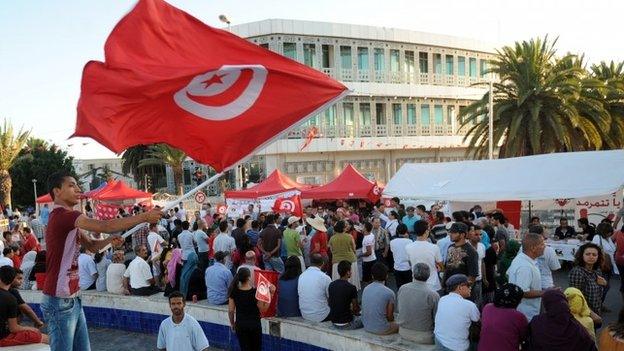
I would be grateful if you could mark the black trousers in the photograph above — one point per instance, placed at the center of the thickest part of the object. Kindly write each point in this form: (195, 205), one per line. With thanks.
(249, 336)
(366, 271)
(145, 291)
(402, 277)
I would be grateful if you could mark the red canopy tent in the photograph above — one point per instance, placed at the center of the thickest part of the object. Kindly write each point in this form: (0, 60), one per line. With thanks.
(276, 183)
(103, 187)
(119, 190)
(44, 199)
(350, 184)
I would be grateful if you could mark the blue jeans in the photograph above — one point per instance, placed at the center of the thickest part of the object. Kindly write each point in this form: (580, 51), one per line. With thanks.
(274, 263)
(67, 326)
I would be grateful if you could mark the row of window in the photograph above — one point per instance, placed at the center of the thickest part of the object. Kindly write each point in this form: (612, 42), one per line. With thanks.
(427, 114)
(442, 64)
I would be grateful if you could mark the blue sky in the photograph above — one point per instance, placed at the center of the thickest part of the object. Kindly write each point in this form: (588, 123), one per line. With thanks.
(45, 44)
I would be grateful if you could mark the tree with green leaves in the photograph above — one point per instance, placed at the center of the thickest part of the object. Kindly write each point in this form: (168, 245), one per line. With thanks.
(11, 144)
(612, 75)
(163, 154)
(542, 104)
(37, 163)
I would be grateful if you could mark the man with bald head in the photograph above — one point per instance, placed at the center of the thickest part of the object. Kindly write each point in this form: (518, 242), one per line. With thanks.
(525, 273)
(250, 263)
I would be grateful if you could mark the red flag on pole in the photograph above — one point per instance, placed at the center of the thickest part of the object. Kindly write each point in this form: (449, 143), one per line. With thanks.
(309, 137)
(289, 205)
(170, 78)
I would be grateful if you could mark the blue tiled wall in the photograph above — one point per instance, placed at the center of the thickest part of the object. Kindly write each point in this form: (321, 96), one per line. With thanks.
(218, 335)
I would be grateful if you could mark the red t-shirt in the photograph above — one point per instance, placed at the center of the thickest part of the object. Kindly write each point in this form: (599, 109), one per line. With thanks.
(62, 244)
(210, 242)
(31, 244)
(321, 239)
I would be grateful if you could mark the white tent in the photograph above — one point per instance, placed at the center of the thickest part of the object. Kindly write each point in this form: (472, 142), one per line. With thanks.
(551, 176)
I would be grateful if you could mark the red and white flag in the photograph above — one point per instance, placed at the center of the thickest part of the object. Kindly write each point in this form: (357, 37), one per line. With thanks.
(375, 193)
(263, 289)
(222, 209)
(289, 205)
(169, 78)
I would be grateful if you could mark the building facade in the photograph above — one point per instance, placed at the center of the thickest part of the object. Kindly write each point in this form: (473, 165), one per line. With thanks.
(407, 91)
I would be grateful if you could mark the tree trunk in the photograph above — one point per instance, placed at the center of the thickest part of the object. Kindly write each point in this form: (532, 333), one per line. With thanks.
(5, 188)
(178, 179)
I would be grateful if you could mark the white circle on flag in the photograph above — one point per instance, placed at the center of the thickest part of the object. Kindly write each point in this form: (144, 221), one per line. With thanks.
(287, 206)
(215, 82)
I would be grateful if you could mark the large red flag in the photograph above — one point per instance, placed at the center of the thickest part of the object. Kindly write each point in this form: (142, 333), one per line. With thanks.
(169, 78)
(289, 205)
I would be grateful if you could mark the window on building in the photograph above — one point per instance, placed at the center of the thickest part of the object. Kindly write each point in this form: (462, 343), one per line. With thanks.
(397, 115)
(411, 114)
(345, 57)
(461, 66)
(409, 62)
(449, 65)
(362, 55)
(438, 114)
(328, 56)
(483, 68)
(309, 55)
(437, 63)
(330, 116)
(380, 113)
(394, 60)
(347, 114)
(459, 114)
(473, 67)
(450, 114)
(424, 114)
(379, 59)
(423, 61)
(266, 46)
(365, 114)
(290, 50)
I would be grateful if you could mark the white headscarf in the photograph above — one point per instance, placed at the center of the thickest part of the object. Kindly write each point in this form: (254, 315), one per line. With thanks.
(28, 262)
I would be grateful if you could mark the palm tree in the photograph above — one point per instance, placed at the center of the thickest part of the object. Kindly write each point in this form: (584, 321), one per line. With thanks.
(541, 104)
(612, 75)
(164, 154)
(11, 143)
(131, 159)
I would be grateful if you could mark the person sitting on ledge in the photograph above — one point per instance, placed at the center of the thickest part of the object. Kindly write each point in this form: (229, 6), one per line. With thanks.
(218, 279)
(114, 274)
(343, 300)
(11, 332)
(138, 277)
(312, 289)
(378, 303)
(417, 306)
(180, 332)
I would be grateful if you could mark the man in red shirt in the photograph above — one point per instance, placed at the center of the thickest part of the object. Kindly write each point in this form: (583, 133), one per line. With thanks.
(66, 233)
(30, 241)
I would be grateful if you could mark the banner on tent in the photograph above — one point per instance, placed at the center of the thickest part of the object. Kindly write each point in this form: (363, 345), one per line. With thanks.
(597, 208)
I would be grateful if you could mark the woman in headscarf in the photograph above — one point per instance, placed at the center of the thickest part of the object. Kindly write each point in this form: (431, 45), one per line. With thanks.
(173, 271)
(511, 251)
(28, 262)
(191, 279)
(502, 326)
(580, 310)
(556, 329)
(612, 338)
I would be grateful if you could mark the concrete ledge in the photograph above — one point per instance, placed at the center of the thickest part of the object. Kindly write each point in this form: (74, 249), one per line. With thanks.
(122, 312)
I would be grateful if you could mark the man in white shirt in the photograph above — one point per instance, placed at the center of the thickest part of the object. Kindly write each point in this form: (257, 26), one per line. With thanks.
(114, 274)
(181, 213)
(313, 291)
(87, 271)
(6, 260)
(185, 239)
(548, 262)
(250, 263)
(224, 242)
(180, 331)
(201, 239)
(402, 268)
(524, 273)
(422, 251)
(368, 252)
(138, 277)
(155, 242)
(455, 314)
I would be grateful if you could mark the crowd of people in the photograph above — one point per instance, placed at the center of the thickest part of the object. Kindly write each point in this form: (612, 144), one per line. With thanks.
(468, 282)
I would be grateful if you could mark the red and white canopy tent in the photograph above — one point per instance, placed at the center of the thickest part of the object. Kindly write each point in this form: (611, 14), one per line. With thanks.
(117, 194)
(276, 185)
(350, 184)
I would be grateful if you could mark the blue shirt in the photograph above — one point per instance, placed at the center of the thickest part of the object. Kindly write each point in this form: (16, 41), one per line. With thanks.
(253, 237)
(218, 279)
(288, 299)
(375, 299)
(485, 239)
(444, 244)
(44, 214)
(409, 222)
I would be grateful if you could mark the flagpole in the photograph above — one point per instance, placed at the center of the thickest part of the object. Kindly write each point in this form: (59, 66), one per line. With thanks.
(172, 204)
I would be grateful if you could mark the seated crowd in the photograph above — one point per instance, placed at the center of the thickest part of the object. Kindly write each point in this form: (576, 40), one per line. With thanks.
(470, 282)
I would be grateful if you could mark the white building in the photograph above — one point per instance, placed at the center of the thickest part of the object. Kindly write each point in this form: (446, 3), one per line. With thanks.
(408, 88)
(86, 169)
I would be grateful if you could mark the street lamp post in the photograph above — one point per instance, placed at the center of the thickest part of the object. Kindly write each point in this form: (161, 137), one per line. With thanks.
(35, 189)
(491, 122)
(224, 19)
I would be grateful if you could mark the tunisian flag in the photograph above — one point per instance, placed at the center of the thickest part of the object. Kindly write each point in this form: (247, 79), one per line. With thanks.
(169, 78)
(289, 205)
